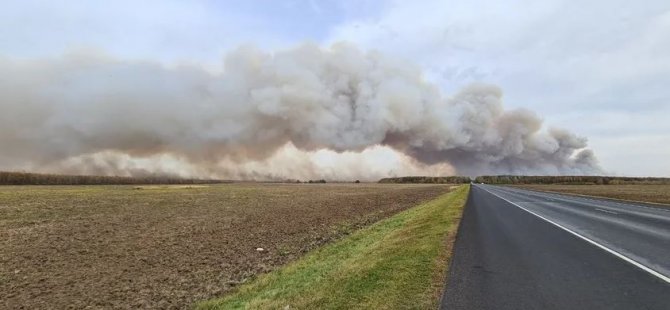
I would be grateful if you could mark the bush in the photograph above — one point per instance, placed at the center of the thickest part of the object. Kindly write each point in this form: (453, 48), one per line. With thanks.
(317, 181)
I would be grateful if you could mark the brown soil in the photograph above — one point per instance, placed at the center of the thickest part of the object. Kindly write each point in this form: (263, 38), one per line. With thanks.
(128, 247)
(645, 193)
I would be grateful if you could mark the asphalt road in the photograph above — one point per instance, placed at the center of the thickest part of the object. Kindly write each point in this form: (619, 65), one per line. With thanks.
(520, 249)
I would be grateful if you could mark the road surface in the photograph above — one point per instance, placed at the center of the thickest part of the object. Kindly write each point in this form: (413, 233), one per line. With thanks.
(521, 249)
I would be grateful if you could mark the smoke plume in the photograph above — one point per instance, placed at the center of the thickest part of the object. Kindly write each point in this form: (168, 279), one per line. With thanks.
(286, 114)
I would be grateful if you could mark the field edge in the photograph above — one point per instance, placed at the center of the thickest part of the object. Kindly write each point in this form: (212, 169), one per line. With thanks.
(398, 262)
(548, 189)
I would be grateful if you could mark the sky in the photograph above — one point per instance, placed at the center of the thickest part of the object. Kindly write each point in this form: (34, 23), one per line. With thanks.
(598, 68)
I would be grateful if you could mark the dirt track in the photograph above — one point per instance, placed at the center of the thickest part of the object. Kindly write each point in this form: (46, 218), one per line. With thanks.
(120, 247)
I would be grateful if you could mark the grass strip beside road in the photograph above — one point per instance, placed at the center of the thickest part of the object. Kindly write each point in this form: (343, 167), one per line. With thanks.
(397, 263)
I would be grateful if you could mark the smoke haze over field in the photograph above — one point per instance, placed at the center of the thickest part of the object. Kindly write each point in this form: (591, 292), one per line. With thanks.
(305, 112)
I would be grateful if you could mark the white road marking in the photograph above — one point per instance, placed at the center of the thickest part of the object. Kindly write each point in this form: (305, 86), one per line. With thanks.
(613, 252)
(606, 211)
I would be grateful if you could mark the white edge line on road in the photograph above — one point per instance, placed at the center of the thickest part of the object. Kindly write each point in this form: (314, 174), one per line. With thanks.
(613, 252)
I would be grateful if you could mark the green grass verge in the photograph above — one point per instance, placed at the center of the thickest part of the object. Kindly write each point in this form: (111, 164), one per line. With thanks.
(397, 263)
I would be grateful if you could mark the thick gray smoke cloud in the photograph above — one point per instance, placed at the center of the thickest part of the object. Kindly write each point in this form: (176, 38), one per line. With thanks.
(338, 98)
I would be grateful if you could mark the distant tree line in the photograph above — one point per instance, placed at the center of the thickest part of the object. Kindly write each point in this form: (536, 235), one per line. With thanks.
(429, 180)
(577, 180)
(23, 178)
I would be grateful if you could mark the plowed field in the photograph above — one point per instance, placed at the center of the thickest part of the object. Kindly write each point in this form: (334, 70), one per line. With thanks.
(169, 246)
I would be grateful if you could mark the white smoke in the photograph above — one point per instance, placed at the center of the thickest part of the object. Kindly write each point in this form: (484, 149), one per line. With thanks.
(88, 112)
